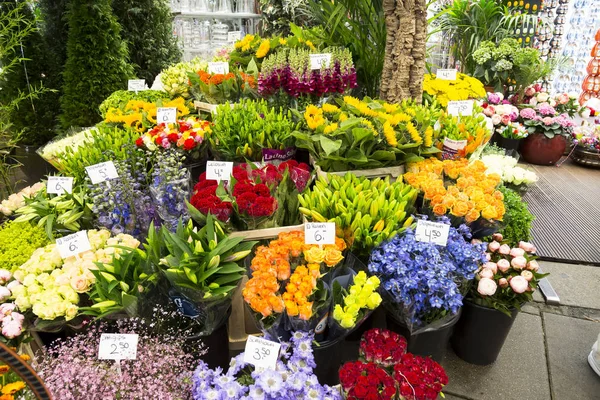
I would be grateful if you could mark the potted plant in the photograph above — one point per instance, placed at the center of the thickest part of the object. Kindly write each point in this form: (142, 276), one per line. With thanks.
(424, 284)
(509, 136)
(587, 145)
(502, 286)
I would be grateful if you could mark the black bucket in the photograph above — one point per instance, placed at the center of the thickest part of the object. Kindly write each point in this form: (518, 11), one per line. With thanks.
(508, 144)
(480, 334)
(328, 357)
(217, 346)
(428, 343)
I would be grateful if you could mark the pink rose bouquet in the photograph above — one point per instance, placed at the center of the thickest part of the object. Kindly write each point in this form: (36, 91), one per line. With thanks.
(508, 279)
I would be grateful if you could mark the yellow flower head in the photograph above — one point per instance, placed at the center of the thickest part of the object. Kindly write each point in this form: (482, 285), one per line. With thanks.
(330, 128)
(282, 41)
(330, 108)
(263, 49)
(12, 388)
(390, 134)
(310, 44)
(413, 132)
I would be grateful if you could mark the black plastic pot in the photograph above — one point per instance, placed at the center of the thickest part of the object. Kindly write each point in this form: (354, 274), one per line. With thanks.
(328, 357)
(508, 144)
(429, 342)
(480, 334)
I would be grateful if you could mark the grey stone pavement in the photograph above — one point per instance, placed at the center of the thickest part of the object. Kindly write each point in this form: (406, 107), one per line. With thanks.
(545, 354)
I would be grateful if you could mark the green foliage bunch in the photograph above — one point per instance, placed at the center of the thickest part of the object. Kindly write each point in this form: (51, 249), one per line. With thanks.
(18, 241)
(517, 218)
(146, 28)
(120, 98)
(278, 14)
(96, 63)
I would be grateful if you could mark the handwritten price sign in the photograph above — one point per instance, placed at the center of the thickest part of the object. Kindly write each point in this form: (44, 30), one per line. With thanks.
(218, 67)
(102, 172)
(319, 233)
(73, 244)
(136, 85)
(446, 74)
(234, 36)
(219, 170)
(59, 184)
(463, 107)
(167, 115)
(118, 346)
(261, 353)
(320, 60)
(432, 232)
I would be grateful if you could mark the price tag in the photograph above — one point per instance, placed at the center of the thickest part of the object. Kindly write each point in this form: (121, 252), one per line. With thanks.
(102, 172)
(118, 346)
(136, 85)
(59, 185)
(167, 115)
(221, 67)
(73, 244)
(432, 232)
(319, 60)
(234, 36)
(446, 74)
(261, 353)
(463, 107)
(219, 170)
(319, 233)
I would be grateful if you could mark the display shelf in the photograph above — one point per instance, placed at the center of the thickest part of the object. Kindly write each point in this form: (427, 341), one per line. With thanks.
(216, 15)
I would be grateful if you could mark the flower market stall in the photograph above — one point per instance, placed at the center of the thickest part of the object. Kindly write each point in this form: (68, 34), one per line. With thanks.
(348, 240)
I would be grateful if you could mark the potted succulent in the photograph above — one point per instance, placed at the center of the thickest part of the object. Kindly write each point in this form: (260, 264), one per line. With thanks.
(423, 286)
(503, 285)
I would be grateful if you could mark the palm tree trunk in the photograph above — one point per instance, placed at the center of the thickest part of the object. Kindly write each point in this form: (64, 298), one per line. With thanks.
(404, 65)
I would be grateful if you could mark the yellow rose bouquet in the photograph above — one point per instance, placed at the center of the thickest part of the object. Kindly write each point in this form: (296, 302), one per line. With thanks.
(353, 304)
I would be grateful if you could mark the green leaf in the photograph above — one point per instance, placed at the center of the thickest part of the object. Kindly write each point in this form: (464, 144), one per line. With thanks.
(328, 145)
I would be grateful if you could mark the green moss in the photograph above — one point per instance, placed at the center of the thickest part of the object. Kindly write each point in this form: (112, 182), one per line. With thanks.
(18, 241)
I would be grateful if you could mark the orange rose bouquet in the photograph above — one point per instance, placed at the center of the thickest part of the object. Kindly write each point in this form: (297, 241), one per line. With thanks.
(460, 190)
(288, 289)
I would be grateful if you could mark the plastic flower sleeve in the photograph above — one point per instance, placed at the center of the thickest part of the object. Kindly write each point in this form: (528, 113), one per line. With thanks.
(56, 149)
(317, 323)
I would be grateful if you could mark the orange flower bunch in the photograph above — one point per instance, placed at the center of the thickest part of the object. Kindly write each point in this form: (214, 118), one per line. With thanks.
(273, 264)
(472, 195)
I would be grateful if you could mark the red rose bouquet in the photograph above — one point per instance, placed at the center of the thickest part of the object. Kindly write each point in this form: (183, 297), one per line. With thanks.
(383, 347)
(419, 378)
(367, 381)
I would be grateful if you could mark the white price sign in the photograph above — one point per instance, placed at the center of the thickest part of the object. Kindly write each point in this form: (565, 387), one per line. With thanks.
(73, 244)
(234, 36)
(319, 60)
(118, 346)
(446, 74)
(219, 170)
(221, 67)
(261, 353)
(102, 172)
(59, 185)
(167, 115)
(463, 107)
(432, 232)
(319, 233)
(136, 85)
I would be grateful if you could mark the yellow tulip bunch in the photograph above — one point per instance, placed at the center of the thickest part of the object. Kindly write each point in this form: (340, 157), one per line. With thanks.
(362, 296)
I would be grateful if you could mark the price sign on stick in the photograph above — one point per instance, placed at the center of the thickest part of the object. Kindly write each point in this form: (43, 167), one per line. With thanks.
(102, 172)
(446, 74)
(59, 185)
(432, 232)
(319, 233)
(261, 353)
(167, 115)
(219, 170)
(234, 36)
(463, 107)
(220, 67)
(73, 244)
(136, 85)
(118, 346)
(319, 60)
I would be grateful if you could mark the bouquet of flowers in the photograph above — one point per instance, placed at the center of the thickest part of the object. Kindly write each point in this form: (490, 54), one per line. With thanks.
(461, 136)
(289, 74)
(249, 128)
(463, 88)
(362, 380)
(175, 79)
(120, 98)
(18, 240)
(419, 378)
(292, 378)
(354, 304)
(287, 282)
(506, 168)
(587, 137)
(56, 148)
(363, 134)
(563, 103)
(141, 115)
(17, 200)
(221, 88)
(188, 136)
(508, 279)
(256, 198)
(424, 283)
(460, 189)
(382, 347)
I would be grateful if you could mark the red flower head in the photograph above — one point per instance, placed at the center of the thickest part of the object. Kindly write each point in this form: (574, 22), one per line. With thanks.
(245, 201)
(263, 207)
(366, 381)
(139, 142)
(189, 144)
(240, 172)
(419, 378)
(382, 347)
(173, 137)
(184, 126)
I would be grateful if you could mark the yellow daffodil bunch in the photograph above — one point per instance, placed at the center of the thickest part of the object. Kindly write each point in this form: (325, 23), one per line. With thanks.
(141, 115)
(361, 296)
(463, 88)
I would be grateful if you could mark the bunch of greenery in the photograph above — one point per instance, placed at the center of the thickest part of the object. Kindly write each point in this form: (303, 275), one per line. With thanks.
(18, 241)
(120, 98)
(96, 62)
(278, 14)
(146, 28)
(517, 218)
(242, 131)
(358, 25)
